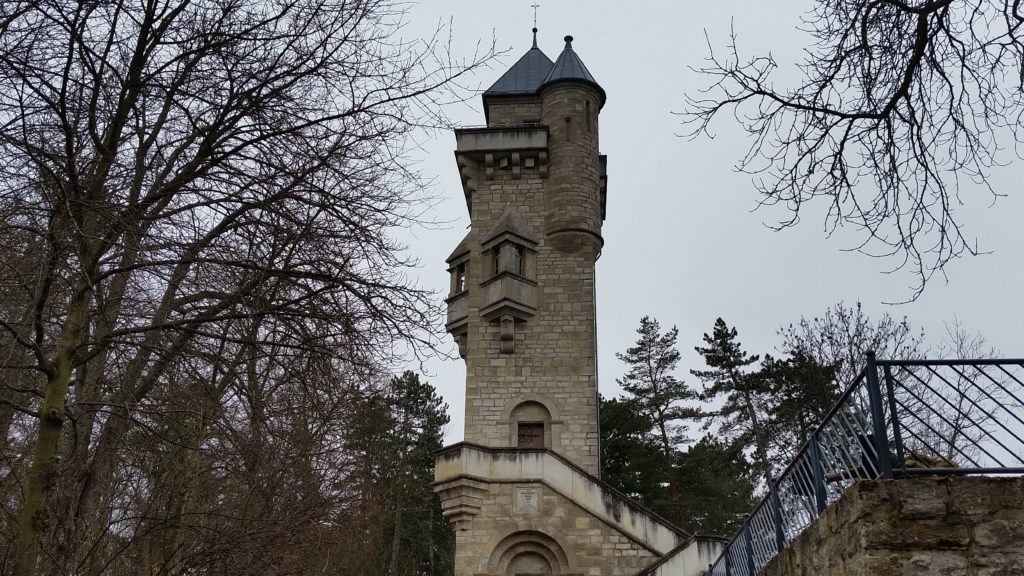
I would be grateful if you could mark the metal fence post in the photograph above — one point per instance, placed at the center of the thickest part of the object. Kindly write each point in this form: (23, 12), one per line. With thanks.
(780, 537)
(818, 473)
(901, 461)
(878, 428)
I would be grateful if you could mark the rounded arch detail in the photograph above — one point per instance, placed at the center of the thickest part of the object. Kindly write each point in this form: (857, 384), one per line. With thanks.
(541, 399)
(528, 543)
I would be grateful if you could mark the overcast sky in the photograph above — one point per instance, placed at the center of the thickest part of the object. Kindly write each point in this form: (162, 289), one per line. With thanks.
(682, 240)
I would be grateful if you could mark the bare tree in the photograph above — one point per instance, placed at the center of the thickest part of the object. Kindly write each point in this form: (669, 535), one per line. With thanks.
(900, 103)
(842, 335)
(947, 414)
(953, 412)
(190, 182)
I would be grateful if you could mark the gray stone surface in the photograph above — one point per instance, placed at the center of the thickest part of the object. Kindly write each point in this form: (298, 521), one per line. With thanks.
(956, 526)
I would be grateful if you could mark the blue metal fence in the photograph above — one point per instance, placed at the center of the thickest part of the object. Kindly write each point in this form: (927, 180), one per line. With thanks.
(898, 418)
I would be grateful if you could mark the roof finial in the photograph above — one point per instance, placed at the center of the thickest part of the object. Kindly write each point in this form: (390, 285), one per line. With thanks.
(534, 6)
(568, 42)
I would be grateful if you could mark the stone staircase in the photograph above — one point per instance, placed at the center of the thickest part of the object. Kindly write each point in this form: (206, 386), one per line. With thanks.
(465, 474)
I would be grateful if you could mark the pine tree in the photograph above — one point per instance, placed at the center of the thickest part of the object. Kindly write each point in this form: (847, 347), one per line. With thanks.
(715, 479)
(658, 394)
(719, 487)
(421, 541)
(743, 416)
(631, 458)
(803, 391)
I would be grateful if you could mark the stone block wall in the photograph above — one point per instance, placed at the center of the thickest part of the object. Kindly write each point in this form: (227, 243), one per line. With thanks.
(516, 110)
(577, 543)
(554, 361)
(952, 526)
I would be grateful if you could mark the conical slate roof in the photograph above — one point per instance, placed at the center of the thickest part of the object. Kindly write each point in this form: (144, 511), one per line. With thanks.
(570, 67)
(525, 76)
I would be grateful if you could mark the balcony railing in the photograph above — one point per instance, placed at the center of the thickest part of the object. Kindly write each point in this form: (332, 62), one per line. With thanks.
(898, 418)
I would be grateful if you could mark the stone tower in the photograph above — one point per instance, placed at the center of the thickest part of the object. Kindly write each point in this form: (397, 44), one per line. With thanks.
(523, 490)
(522, 306)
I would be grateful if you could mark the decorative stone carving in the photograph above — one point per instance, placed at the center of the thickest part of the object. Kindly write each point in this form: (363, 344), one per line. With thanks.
(460, 499)
(508, 334)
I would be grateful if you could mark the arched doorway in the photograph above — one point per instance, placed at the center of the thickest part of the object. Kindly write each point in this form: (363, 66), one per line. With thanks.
(528, 553)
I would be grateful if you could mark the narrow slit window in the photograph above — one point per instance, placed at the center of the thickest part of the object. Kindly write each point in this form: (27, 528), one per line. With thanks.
(520, 263)
(460, 278)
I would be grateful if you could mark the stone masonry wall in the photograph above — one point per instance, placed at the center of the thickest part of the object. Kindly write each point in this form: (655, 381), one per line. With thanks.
(554, 359)
(591, 547)
(519, 110)
(954, 526)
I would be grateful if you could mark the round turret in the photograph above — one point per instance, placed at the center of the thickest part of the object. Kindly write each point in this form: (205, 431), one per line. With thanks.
(570, 104)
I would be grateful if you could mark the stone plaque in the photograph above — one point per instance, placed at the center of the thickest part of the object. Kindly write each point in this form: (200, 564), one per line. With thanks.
(527, 500)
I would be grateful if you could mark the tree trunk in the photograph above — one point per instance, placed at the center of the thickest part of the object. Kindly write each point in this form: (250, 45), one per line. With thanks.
(395, 548)
(673, 484)
(31, 517)
(760, 440)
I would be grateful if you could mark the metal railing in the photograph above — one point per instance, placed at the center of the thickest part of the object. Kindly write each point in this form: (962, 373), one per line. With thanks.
(898, 418)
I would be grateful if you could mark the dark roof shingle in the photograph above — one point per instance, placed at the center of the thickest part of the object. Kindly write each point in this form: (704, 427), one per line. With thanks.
(534, 70)
(570, 67)
(525, 76)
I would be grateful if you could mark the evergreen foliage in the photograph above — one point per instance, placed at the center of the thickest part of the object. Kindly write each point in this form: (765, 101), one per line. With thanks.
(650, 379)
(706, 489)
(659, 395)
(716, 480)
(421, 541)
(742, 418)
(801, 393)
(631, 457)
(757, 413)
(717, 484)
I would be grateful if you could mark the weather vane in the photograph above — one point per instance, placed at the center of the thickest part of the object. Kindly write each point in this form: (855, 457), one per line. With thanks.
(534, 6)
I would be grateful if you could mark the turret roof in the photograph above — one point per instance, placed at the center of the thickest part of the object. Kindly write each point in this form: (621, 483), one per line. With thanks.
(534, 70)
(525, 76)
(570, 67)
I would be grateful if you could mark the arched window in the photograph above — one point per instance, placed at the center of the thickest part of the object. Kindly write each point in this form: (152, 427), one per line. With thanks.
(532, 422)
